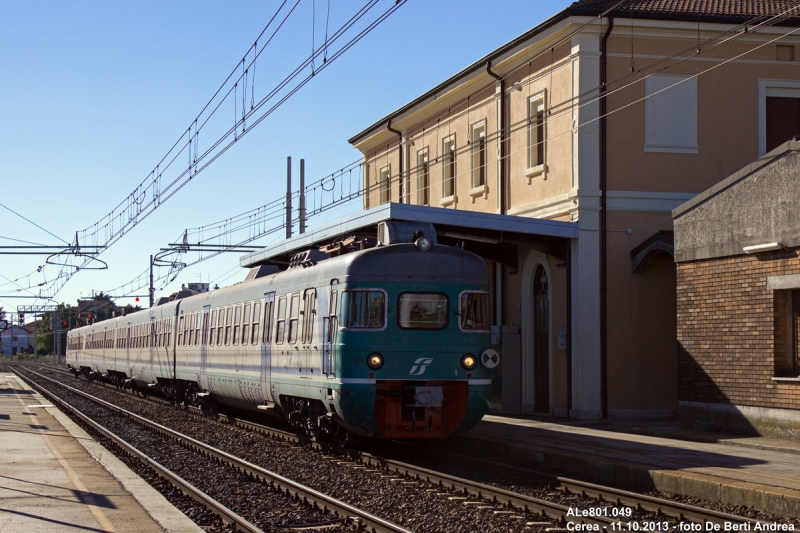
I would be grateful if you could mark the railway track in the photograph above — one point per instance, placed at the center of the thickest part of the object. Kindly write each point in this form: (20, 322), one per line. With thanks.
(575, 496)
(316, 499)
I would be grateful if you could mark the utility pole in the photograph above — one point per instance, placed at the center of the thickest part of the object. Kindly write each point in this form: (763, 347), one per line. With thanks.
(152, 289)
(55, 327)
(302, 206)
(288, 197)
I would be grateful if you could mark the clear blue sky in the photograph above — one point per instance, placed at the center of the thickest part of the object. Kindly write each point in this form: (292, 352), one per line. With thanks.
(94, 93)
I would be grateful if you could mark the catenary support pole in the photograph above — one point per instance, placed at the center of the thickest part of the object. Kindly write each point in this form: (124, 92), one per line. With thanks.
(302, 207)
(152, 289)
(288, 197)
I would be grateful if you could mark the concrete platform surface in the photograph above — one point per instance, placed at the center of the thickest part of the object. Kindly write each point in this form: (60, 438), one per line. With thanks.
(763, 473)
(55, 477)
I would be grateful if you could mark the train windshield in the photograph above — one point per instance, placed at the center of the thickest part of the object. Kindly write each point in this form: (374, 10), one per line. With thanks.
(363, 309)
(422, 310)
(474, 311)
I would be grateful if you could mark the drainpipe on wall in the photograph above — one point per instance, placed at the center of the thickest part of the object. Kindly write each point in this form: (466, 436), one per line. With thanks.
(502, 136)
(603, 221)
(500, 270)
(400, 157)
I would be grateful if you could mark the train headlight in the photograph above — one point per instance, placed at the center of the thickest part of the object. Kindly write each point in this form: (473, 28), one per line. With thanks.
(490, 358)
(468, 361)
(375, 361)
(423, 244)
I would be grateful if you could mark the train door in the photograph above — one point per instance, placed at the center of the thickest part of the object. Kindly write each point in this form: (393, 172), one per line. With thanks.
(104, 355)
(318, 334)
(329, 326)
(309, 350)
(266, 346)
(204, 342)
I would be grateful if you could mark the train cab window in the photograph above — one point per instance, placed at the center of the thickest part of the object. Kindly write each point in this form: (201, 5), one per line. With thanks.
(228, 324)
(294, 317)
(474, 311)
(246, 325)
(422, 310)
(256, 322)
(213, 327)
(364, 309)
(237, 320)
(281, 323)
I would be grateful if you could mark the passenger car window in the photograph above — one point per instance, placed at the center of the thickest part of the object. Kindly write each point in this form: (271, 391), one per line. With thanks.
(246, 324)
(294, 314)
(256, 319)
(228, 324)
(281, 322)
(422, 310)
(363, 309)
(237, 318)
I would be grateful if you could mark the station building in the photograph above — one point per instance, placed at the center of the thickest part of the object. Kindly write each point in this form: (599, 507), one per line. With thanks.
(737, 250)
(16, 339)
(602, 119)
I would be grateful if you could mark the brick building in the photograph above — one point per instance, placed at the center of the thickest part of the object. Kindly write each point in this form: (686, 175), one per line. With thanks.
(738, 300)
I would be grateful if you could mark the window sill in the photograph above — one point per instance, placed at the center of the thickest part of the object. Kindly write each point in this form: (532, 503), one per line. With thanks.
(660, 148)
(448, 200)
(790, 380)
(480, 190)
(538, 170)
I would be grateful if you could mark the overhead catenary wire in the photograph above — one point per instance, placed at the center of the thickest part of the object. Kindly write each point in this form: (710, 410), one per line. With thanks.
(137, 207)
(34, 223)
(550, 137)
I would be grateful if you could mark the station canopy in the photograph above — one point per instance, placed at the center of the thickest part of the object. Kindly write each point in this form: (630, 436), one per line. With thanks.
(489, 235)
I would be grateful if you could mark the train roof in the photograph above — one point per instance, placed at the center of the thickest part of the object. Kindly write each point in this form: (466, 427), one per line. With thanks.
(383, 264)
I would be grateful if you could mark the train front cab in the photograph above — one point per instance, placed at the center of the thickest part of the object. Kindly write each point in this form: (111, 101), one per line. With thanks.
(417, 359)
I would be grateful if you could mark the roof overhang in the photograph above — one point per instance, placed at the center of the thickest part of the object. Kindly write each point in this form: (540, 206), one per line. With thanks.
(450, 224)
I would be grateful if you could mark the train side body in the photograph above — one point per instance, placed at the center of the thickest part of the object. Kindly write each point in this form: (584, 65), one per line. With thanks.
(285, 342)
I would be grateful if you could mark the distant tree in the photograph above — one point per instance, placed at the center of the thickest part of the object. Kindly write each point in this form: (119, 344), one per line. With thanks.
(44, 335)
(2, 313)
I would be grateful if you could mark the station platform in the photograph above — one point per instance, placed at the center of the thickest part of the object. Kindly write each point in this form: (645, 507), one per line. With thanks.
(762, 473)
(55, 477)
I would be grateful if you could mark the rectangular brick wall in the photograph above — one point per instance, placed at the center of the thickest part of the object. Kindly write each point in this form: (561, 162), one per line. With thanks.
(732, 331)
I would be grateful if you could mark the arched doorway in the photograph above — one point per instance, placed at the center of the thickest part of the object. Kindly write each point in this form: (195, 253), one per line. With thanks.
(541, 341)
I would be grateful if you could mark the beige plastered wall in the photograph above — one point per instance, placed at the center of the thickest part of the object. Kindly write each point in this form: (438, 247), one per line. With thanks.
(642, 353)
(642, 350)
(642, 360)
(558, 320)
(727, 115)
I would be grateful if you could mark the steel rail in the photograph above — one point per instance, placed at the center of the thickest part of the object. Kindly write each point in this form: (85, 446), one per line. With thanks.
(311, 496)
(227, 516)
(512, 500)
(638, 501)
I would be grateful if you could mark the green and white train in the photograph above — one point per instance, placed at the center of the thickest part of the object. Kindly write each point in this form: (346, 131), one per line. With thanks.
(388, 342)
